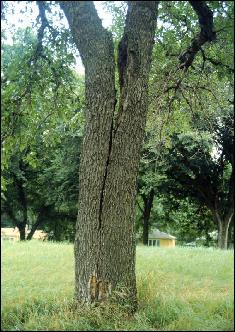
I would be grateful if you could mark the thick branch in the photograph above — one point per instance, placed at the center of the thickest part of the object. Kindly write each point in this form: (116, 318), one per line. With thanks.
(135, 47)
(44, 24)
(207, 34)
(129, 52)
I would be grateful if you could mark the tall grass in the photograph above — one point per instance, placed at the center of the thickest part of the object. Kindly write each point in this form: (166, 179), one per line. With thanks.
(181, 289)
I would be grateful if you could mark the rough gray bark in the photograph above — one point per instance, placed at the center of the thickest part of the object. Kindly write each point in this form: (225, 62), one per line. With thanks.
(105, 238)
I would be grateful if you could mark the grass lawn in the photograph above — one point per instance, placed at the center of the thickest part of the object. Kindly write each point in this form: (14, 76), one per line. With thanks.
(180, 289)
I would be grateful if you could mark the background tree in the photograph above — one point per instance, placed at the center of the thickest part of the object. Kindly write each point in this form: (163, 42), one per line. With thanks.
(188, 100)
(208, 178)
(39, 119)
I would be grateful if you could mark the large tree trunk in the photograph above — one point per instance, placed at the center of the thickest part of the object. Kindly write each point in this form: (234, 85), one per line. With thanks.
(148, 203)
(105, 238)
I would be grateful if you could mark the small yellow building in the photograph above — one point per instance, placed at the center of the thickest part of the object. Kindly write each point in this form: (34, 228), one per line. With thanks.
(13, 234)
(161, 239)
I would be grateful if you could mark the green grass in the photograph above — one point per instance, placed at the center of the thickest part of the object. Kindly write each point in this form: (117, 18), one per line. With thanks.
(181, 289)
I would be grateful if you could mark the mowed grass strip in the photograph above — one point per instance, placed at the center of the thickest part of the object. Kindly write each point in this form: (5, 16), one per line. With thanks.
(180, 289)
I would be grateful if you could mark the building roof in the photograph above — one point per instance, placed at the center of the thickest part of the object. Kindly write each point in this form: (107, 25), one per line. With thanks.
(156, 234)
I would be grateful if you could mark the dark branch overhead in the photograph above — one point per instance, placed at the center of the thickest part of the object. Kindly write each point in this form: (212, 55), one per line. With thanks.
(44, 24)
(207, 33)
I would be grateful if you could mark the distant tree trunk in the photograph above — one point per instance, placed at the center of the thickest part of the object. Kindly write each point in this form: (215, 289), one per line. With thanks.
(21, 227)
(23, 202)
(43, 212)
(33, 229)
(223, 226)
(105, 238)
(148, 203)
(231, 232)
(223, 235)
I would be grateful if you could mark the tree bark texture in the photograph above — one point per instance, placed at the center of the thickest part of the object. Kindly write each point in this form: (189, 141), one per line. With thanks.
(105, 238)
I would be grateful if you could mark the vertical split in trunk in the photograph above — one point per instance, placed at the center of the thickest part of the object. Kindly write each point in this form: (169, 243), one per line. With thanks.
(105, 235)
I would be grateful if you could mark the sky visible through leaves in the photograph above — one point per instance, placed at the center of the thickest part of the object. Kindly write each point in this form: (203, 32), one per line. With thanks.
(22, 15)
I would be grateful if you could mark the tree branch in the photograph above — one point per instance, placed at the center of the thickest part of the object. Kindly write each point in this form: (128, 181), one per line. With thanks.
(207, 34)
(44, 24)
(215, 62)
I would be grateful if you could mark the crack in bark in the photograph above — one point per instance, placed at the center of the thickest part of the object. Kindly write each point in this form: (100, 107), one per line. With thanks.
(105, 175)
(122, 60)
